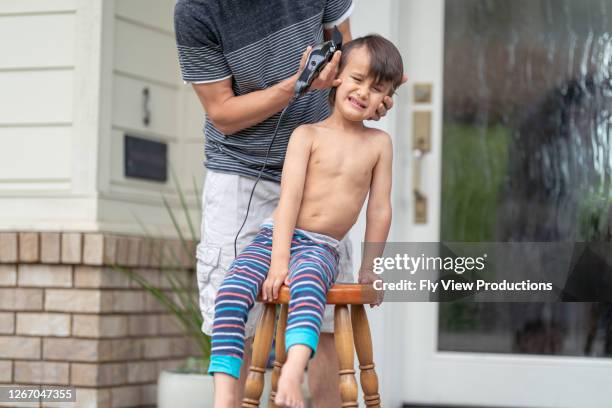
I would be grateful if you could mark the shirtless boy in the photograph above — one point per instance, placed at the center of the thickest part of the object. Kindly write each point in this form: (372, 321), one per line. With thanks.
(330, 167)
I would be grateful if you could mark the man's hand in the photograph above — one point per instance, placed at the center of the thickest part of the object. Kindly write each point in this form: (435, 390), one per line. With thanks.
(277, 275)
(368, 277)
(386, 104)
(327, 76)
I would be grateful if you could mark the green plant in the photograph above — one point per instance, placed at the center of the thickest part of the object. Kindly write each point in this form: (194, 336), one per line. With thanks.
(593, 215)
(475, 162)
(182, 299)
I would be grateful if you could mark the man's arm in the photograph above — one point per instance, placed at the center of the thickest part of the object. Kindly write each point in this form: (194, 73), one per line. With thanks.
(230, 113)
(378, 213)
(292, 189)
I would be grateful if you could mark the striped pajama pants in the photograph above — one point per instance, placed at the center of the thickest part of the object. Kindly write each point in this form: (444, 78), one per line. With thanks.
(312, 271)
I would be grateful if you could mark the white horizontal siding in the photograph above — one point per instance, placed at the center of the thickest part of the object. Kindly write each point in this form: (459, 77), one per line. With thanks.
(37, 41)
(36, 97)
(34, 187)
(37, 45)
(145, 53)
(190, 166)
(145, 56)
(121, 213)
(34, 154)
(159, 16)
(36, 6)
(128, 106)
(54, 213)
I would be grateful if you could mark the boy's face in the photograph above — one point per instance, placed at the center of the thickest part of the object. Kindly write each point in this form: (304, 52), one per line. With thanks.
(358, 96)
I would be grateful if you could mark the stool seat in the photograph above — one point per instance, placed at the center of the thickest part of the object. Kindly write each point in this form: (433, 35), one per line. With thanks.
(339, 294)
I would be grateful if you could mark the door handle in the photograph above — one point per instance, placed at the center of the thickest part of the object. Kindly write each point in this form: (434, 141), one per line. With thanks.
(421, 144)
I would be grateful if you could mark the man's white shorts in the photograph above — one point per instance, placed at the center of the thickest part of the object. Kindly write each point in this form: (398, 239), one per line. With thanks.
(224, 204)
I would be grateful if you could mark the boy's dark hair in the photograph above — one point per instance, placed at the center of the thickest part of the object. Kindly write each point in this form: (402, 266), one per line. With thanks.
(385, 61)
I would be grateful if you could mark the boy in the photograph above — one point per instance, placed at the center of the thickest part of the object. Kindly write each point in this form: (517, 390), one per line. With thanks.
(329, 169)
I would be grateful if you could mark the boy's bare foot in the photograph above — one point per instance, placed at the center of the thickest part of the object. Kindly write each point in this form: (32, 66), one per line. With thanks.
(289, 394)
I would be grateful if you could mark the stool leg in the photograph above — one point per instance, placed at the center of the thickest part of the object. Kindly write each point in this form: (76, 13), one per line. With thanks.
(280, 353)
(363, 344)
(261, 351)
(343, 335)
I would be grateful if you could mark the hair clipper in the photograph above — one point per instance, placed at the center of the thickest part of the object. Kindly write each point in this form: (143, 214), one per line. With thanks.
(319, 56)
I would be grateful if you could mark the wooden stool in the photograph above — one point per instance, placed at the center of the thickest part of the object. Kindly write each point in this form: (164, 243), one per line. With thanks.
(340, 295)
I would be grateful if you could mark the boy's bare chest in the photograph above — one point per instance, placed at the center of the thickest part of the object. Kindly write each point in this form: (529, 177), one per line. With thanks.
(343, 159)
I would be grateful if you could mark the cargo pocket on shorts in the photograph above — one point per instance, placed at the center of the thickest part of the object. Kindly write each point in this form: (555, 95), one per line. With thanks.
(208, 283)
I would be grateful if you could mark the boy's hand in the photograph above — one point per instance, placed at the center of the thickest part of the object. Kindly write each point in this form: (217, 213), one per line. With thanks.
(368, 277)
(277, 275)
(386, 104)
(327, 76)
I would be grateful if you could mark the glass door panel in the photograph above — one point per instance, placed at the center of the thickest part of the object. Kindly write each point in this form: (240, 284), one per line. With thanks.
(527, 156)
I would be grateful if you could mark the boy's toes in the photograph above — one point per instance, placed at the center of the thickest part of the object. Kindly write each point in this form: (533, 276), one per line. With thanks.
(290, 402)
(280, 400)
(296, 403)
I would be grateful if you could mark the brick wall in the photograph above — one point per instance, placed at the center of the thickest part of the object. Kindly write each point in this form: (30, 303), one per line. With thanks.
(68, 317)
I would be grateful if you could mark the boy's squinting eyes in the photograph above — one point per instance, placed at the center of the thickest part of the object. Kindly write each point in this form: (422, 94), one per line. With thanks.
(378, 87)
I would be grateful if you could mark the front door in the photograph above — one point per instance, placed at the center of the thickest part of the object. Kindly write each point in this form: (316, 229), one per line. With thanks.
(521, 150)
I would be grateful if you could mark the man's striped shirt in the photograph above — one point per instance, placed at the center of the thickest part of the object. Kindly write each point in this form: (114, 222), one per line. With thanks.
(257, 43)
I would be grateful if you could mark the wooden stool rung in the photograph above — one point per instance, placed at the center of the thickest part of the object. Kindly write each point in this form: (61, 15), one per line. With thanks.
(249, 403)
(258, 369)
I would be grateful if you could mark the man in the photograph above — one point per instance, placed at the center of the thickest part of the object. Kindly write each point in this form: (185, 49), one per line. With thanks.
(242, 58)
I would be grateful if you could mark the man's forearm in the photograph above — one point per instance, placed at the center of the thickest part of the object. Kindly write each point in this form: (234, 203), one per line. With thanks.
(240, 112)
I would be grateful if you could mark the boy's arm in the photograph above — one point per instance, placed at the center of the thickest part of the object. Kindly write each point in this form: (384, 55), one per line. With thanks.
(378, 213)
(292, 188)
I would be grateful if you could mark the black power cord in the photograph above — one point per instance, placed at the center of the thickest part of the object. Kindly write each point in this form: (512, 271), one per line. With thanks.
(263, 167)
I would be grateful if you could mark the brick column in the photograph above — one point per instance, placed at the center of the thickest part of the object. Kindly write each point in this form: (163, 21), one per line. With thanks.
(68, 317)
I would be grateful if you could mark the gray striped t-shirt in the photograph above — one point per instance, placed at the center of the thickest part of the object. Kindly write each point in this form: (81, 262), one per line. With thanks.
(257, 43)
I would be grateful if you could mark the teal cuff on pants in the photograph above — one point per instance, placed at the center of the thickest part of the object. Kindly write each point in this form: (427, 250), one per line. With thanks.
(301, 335)
(225, 364)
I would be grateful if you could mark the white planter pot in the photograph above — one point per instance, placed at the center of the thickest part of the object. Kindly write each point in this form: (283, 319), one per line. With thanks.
(196, 390)
(184, 390)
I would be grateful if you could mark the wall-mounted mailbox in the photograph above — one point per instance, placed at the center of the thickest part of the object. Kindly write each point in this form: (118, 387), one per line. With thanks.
(145, 159)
